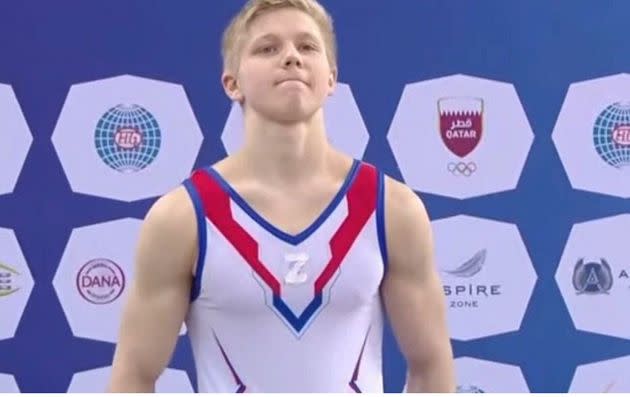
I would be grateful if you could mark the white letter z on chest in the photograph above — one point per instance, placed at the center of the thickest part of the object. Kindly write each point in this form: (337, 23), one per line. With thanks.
(296, 274)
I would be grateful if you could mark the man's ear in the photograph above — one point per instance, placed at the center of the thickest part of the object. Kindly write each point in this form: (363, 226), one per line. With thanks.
(332, 81)
(231, 87)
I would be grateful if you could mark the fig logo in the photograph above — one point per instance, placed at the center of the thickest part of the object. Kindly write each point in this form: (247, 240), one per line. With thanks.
(611, 135)
(100, 281)
(128, 138)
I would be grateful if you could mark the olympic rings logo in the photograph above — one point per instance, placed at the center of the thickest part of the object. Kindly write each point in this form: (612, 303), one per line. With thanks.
(465, 169)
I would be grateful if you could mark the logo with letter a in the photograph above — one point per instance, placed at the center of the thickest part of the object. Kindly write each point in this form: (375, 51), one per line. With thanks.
(592, 277)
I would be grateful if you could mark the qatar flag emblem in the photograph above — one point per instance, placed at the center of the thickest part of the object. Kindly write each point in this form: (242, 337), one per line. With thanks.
(461, 123)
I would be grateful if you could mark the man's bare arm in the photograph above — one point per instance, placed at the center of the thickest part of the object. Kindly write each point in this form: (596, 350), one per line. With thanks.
(159, 296)
(413, 294)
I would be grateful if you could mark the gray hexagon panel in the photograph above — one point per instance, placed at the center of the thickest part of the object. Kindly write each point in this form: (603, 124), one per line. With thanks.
(7, 384)
(15, 139)
(16, 283)
(96, 381)
(487, 275)
(594, 276)
(94, 276)
(345, 126)
(482, 376)
(460, 136)
(592, 135)
(608, 376)
(126, 138)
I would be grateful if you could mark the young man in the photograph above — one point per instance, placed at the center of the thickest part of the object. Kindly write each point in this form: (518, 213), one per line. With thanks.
(283, 258)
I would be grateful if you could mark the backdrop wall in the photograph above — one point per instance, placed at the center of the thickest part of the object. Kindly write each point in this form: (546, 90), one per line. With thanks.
(510, 119)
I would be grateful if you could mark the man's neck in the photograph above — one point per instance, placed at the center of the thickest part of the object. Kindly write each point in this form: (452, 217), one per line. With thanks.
(285, 153)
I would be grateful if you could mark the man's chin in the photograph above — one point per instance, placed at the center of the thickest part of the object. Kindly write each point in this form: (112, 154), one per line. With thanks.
(292, 114)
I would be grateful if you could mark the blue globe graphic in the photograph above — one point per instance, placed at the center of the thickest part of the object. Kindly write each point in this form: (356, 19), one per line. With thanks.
(127, 138)
(611, 134)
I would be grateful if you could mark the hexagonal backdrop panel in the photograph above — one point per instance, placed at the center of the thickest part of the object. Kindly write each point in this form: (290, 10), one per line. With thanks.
(7, 384)
(592, 135)
(594, 276)
(16, 283)
(15, 139)
(460, 136)
(96, 381)
(486, 273)
(126, 138)
(345, 126)
(609, 376)
(481, 376)
(94, 275)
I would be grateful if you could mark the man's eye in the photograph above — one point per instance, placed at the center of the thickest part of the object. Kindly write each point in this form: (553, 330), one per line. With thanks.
(267, 49)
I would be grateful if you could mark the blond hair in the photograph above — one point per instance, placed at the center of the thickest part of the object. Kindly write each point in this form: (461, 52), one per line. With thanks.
(234, 33)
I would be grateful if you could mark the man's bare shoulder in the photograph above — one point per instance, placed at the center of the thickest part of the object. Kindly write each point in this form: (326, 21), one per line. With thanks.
(408, 228)
(169, 227)
(402, 203)
(174, 209)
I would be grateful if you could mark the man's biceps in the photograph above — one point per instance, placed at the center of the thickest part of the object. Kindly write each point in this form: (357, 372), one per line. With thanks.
(161, 278)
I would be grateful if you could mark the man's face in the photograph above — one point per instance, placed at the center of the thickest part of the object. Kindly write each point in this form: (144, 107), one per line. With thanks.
(284, 73)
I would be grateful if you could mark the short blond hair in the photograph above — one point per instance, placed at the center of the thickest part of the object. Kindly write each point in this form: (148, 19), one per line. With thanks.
(234, 33)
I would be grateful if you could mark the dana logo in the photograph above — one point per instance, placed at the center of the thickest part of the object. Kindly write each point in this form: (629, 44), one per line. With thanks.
(7, 280)
(128, 138)
(100, 281)
(469, 294)
(611, 134)
(461, 128)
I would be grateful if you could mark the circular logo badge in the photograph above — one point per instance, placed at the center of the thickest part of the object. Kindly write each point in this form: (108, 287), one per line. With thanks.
(611, 135)
(128, 138)
(100, 281)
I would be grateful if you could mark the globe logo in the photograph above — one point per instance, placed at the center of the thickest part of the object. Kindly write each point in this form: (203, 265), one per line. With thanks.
(127, 138)
(611, 134)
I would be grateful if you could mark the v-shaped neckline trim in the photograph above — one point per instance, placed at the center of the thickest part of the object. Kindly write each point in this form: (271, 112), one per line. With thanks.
(293, 239)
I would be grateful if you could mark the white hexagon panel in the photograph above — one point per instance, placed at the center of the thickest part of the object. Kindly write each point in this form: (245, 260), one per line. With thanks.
(487, 275)
(481, 376)
(97, 380)
(460, 136)
(126, 138)
(7, 384)
(609, 376)
(592, 135)
(16, 283)
(594, 276)
(94, 276)
(15, 139)
(344, 124)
